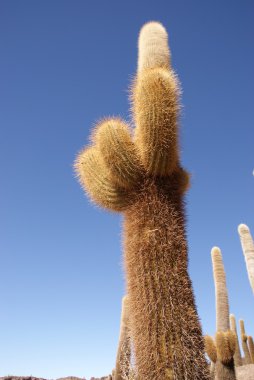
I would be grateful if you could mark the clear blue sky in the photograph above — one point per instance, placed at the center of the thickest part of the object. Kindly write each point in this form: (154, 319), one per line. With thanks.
(64, 65)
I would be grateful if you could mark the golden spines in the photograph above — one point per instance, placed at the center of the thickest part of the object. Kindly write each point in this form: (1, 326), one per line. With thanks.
(210, 348)
(153, 46)
(225, 344)
(237, 356)
(155, 109)
(95, 180)
(118, 152)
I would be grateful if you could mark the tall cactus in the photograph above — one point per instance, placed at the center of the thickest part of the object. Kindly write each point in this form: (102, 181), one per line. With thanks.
(143, 178)
(248, 251)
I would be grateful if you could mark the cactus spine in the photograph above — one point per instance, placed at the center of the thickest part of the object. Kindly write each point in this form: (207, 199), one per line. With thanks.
(147, 183)
(237, 356)
(124, 348)
(225, 338)
(248, 251)
(247, 357)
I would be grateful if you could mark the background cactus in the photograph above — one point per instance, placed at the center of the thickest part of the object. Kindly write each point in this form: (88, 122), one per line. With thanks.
(221, 353)
(221, 293)
(237, 356)
(244, 338)
(251, 348)
(225, 338)
(123, 365)
(148, 183)
(248, 251)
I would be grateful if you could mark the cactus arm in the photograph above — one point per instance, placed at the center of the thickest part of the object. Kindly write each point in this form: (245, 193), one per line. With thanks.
(225, 345)
(95, 180)
(155, 108)
(237, 356)
(244, 338)
(155, 111)
(210, 348)
(118, 152)
(248, 251)
(221, 293)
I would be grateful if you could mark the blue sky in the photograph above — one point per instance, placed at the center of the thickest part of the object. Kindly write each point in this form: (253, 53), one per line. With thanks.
(64, 65)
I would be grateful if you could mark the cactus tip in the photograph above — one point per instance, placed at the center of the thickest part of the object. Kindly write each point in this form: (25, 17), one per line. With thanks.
(215, 251)
(243, 228)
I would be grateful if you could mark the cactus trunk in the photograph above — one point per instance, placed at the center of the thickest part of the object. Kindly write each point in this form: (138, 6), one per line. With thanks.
(165, 328)
(225, 372)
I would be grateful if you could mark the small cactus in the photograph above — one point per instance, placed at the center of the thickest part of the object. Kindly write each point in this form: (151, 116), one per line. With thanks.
(244, 338)
(225, 339)
(251, 348)
(248, 251)
(123, 364)
(237, 356)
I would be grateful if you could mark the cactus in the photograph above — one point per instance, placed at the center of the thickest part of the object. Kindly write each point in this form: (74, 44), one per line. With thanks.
(248, 251)
(251, 348)
(244, 338)
(221, 353)
(124, 348)
(237, 356)
(143, 178)
(221, 293)
(225, 338)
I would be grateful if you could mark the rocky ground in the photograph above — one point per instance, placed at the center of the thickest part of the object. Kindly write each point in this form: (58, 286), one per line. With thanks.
(61, 378)
(245, 372)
